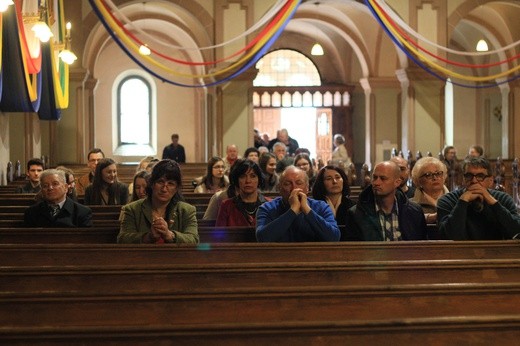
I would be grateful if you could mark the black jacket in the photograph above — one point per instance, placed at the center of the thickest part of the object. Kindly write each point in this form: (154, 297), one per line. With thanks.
(72, 214)
(363, 223)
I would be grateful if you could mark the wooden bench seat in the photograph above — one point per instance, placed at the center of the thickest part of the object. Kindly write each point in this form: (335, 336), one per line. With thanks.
(481, 330)
(127, 254)
(106, 231)
(251, 305)
(172, 278)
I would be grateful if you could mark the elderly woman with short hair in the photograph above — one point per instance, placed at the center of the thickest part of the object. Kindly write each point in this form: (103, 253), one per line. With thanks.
(429, 175)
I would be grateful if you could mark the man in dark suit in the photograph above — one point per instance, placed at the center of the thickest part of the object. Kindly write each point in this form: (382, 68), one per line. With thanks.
(56, 209)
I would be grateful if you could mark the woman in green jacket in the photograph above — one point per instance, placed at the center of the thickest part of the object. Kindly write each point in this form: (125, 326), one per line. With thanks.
(161, 217)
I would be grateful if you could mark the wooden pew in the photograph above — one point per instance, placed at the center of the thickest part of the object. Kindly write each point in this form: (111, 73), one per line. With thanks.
(238, 305)
(105, 232)
(123, 254)
(254, 291)
(54, 281)
(481, 330)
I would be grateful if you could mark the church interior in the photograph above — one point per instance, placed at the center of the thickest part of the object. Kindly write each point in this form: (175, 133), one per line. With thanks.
(390, 76)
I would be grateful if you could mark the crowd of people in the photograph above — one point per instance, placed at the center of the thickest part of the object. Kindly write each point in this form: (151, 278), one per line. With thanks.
(311, 204)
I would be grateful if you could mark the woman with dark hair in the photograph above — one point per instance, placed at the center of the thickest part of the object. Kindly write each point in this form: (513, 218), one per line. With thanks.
(332, 187)
(252, 154)
(215, 179)
(105, 189)
(244, 197)
(304, 162)
(161, 217)
(267, 164)
(140, 183)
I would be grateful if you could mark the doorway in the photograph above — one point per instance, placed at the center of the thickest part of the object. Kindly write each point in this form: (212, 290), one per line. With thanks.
(311, 127)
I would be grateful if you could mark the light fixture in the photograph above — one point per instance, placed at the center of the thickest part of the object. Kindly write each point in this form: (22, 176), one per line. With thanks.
(144, 50)
(66, 54)
(482, 46)
(317, 49)
(40, 27)
(4, 4)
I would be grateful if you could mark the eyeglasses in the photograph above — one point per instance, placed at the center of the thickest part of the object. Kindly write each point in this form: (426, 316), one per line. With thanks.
(170, 184)
(432, 175)
(480, 176)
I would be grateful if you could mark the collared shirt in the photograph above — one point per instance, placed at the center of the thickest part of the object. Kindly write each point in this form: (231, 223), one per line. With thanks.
(390, 223)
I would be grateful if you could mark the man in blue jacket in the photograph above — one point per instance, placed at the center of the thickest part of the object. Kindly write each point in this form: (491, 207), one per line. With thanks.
(294, 217)
(383, 212)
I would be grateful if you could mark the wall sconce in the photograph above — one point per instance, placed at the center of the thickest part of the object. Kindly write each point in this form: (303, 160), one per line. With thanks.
(482, 46)
(4, 4)
(66, 54)
(317, 49)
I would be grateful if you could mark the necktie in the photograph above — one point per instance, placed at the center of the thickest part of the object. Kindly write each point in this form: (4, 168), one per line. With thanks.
(55, 209)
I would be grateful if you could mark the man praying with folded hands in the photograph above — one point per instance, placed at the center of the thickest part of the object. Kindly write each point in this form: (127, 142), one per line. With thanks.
(294, 217)
(476, 212)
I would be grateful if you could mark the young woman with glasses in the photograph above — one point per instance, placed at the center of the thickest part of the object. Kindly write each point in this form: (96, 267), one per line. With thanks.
(215, 178)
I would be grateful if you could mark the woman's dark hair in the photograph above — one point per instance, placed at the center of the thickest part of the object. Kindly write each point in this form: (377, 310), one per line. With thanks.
(303, 156)
(169, 170)
(251, 150)
(141, 174)
(320, 192)
(241, 166)
(208, 178)
(264, 159)
(98, 184)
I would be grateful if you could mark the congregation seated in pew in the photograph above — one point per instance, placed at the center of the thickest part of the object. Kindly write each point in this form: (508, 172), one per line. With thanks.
(383, 212)
(105, 188)
(477, 212)
(215, 178)
(161, 217)
(35, 168)
(429, 175)
(332, 187)
(244, 195)
(294, 216)
(56, 209)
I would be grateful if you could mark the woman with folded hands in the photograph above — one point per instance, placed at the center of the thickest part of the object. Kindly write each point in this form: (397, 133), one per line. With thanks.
(161, 217)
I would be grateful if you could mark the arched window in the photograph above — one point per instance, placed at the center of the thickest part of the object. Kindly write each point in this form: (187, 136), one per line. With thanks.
(134, 115)
(285, 67)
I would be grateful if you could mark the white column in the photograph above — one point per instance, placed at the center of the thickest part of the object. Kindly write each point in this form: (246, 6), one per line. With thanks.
(504, 90)
(406, 121)
(368, 120)
(4, 147)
